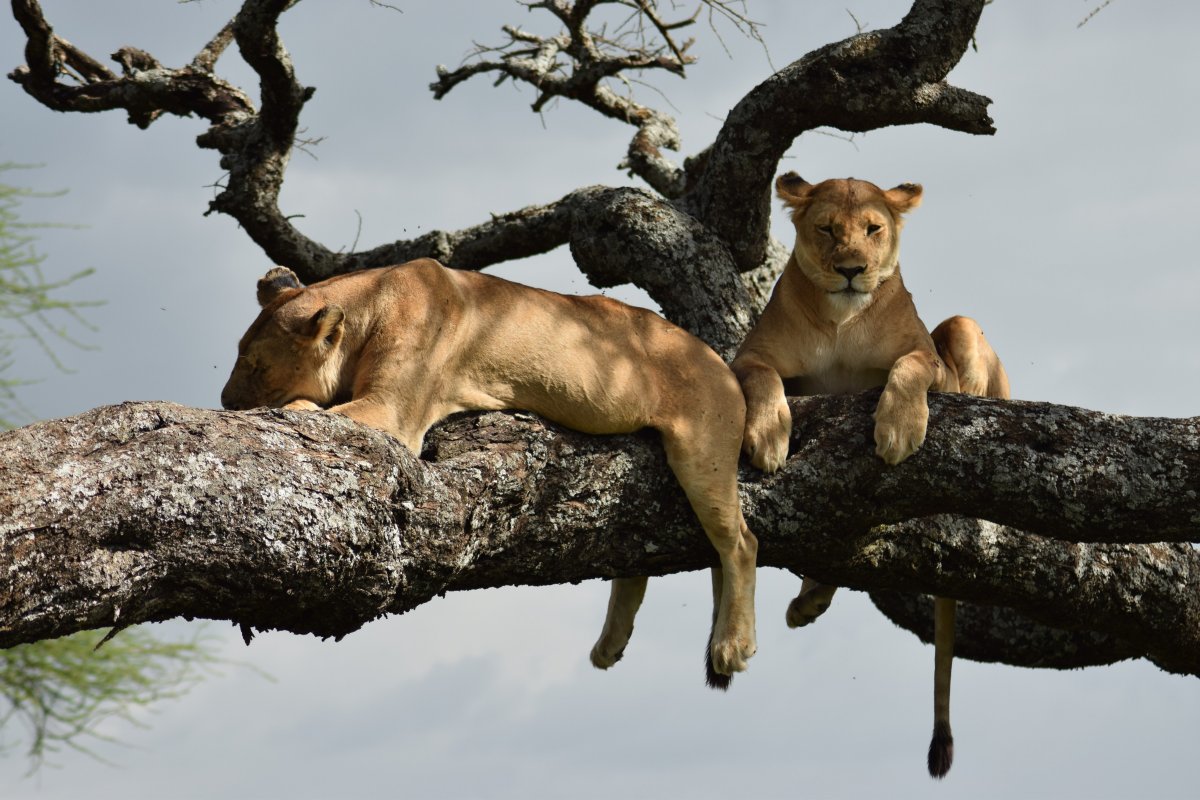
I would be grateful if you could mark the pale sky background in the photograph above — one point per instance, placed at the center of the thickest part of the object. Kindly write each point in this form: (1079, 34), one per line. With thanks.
(1071, 235)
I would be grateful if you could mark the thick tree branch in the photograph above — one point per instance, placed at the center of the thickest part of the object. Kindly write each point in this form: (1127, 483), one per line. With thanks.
(871, 80)
(515, 234)
(632, 236)
(998, 634)
(1059, 471)
(310, 523)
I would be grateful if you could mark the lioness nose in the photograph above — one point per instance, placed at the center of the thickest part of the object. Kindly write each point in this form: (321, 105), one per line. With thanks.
(851, 272)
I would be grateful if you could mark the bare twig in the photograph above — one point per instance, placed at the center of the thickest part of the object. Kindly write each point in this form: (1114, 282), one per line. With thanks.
(206, 59)
(577, 63)
(1093, 13)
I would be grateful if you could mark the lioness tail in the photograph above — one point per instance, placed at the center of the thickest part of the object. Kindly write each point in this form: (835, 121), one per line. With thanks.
(941, 750)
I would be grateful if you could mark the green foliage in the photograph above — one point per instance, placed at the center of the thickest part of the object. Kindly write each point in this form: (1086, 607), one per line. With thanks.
(28, 307)
(60, 692)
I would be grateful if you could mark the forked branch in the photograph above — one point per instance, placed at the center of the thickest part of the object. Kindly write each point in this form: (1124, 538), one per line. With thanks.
(580, 63)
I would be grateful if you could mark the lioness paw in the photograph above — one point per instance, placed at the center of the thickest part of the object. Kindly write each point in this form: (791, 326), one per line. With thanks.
(730, 655)
(809, 605)
(766, 439)
(602, 657)
(302, 405)
(894, 443)
(899, 429)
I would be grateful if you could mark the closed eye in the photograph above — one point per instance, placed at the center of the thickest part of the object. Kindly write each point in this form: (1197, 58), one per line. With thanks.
(826, 229)
(873, 229)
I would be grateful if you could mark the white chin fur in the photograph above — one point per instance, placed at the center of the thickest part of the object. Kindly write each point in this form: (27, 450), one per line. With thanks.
(849, 302)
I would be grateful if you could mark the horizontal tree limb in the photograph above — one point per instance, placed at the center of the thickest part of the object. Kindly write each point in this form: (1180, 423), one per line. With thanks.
(997, 634)
(313, 524)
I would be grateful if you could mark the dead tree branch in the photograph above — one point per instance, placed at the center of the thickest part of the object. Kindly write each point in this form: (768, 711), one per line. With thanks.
(62, 77)
(579, 63)
(871, 80)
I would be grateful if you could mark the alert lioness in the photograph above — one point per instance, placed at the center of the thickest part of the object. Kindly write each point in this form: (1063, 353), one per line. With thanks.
(403, 347)
(840, 320)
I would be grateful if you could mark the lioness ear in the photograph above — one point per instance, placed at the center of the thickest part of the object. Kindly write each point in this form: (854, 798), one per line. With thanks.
(904, 198)
(274, 282)
(325, 326)
(792, 189)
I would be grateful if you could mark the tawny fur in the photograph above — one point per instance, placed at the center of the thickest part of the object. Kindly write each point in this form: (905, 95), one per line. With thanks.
(403, 347)
(841, 320)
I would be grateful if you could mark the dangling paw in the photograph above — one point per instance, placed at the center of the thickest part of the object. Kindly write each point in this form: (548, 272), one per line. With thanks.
(605, 654)
(809, 604)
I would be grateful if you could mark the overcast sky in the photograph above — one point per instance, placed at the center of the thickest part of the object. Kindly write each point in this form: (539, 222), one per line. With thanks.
(1070, 235)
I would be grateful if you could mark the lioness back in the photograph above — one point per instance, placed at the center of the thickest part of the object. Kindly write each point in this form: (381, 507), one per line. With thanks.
(591, 363)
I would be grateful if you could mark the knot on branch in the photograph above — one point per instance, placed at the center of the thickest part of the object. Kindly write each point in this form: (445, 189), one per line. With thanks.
(133, 60)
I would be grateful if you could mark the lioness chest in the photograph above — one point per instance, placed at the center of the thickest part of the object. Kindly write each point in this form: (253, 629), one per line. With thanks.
(837, 361)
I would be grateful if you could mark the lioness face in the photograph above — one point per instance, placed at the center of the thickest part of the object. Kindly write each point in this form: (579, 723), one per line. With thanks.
(290, 351)
(847, 232)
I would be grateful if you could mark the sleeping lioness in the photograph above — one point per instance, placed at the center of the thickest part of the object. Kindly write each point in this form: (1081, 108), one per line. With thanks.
(840, 320)
(401, 348)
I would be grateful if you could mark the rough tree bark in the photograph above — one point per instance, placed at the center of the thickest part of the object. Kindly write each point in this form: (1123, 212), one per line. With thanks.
(312, 524)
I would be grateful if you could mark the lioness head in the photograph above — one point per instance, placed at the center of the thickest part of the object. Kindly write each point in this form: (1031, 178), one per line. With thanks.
(289, 352)
(847, 232)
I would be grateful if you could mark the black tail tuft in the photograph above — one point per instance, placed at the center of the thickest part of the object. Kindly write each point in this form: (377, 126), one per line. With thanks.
(714, 679)
(941, 750)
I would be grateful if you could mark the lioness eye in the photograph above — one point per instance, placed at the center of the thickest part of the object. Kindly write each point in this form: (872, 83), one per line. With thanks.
(826, 229)
(873, 229)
